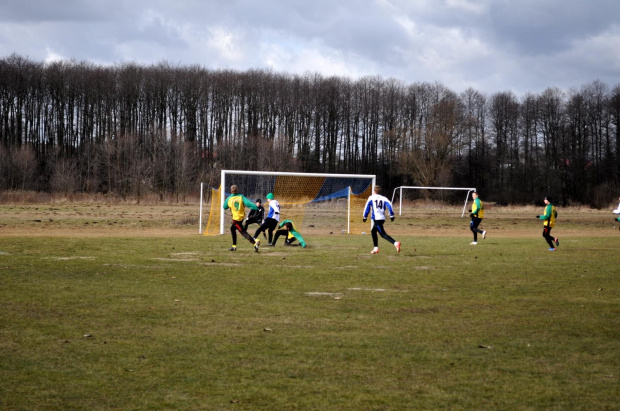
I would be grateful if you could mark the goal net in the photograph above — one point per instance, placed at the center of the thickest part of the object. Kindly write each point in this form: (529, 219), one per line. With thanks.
(320, 203)
(419, 189)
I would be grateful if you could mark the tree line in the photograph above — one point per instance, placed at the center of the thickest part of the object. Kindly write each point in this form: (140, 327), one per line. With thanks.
(132, 130)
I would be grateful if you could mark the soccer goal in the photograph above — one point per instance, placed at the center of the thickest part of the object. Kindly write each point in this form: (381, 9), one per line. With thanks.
(324, 203)
(399, 190)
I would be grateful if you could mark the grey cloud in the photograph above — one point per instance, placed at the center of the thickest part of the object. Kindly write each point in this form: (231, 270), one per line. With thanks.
(59, 11)
(540, 27)
(523, 45)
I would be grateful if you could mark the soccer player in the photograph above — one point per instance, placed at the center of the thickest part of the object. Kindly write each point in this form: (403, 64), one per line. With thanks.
(237, 203)
(378, 204)
(549, 222)
(255, 216)
(271, 221)
(477, 214)
(291, 233)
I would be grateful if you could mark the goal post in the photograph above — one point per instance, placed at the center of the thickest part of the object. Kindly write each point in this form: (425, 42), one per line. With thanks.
(214, 201)
(400, 191)
(295, 192)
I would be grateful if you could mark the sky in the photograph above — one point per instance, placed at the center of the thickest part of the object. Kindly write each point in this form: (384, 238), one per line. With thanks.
(523, 46)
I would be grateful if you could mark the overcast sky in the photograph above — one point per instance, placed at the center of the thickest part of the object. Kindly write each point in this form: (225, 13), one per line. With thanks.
(490, 45)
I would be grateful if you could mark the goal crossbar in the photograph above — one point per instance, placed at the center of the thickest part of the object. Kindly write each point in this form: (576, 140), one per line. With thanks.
(400, 191)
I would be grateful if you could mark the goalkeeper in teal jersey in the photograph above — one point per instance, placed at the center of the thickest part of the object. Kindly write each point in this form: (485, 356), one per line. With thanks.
(291, 233)
(237, 203)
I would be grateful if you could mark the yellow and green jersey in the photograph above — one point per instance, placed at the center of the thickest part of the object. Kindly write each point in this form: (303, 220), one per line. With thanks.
(237, 204)
(293, 233)
(550, 215)
(477, 208)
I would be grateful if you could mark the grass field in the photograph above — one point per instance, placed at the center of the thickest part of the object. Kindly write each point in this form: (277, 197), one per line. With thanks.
(127, 307)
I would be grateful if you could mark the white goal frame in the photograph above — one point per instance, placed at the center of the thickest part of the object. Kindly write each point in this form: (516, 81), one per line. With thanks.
(279, 173)
(400, 190)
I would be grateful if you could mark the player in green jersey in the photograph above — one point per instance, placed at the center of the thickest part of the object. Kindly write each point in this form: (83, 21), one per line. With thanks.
(477, 214)
(290, 231)
(237, 203)
(549, 222)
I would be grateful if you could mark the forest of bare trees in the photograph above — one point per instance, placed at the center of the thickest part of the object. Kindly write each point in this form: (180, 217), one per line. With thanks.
(131, 130)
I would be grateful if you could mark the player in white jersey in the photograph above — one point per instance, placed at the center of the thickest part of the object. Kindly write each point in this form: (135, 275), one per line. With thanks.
(271, 220)
(378, 204)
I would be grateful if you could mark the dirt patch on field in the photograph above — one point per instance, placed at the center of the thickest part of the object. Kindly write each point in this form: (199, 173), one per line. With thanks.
(98, 220)
(89, 233)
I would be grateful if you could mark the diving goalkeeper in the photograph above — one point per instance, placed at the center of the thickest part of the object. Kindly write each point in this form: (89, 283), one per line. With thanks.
(291, 233)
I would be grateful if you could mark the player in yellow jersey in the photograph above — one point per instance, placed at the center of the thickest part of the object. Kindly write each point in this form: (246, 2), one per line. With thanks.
(237, 203)
(290, 232)
(477, 214)
(549, 222)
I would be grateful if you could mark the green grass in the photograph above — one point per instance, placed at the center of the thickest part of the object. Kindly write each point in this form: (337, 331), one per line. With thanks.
(181, 323)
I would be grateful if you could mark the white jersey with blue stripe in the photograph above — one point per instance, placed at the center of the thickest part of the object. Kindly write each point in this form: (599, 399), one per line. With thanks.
(274, 210)
(378, 204)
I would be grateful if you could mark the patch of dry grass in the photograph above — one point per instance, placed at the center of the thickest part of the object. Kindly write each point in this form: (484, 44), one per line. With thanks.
(164, 220)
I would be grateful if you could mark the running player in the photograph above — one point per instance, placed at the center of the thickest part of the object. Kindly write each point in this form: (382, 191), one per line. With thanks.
(477, 214)
(237, 203)
(378, 204)
(272, 219)
(549, 222)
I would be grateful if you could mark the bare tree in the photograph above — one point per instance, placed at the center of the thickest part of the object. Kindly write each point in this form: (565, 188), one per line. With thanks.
(430, 162)
(473, 128)
(24, 173)
(614, 109)
(503, 113)
(5, 169)
(164, 127)
(530, 161)
(64, 179)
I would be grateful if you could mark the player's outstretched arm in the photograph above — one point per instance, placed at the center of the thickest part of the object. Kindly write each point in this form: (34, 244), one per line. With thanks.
(249, 204)
(390, 210)
(299, 238)
(367, 209)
